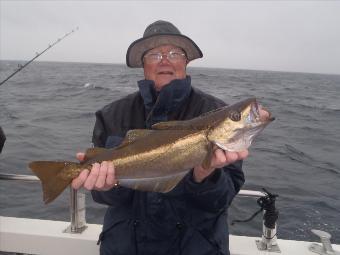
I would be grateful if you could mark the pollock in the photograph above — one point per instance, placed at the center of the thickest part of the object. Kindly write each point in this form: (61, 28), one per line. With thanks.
(157, 159)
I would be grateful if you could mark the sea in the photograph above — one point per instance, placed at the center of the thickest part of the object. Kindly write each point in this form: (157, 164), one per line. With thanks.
(47, 113)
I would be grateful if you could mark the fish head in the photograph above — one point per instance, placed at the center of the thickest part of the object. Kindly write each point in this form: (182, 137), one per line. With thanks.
(238, 125)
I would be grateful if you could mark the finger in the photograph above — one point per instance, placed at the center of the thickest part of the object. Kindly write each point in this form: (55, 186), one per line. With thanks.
(243, 154)
(101, 176)
(110, 178)
(218, 159)
(231, 157)
(78, 182)
(80, 156)
(92, 178)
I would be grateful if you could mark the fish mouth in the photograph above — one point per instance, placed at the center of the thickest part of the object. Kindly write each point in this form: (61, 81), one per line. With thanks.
(255, 116)
(255, 121)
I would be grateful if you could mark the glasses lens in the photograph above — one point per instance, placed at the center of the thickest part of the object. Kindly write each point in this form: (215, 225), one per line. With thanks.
(172, 56)
(175, 56)
(153, 57)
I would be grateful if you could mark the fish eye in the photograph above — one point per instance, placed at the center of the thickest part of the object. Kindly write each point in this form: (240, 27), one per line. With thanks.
(235, 116)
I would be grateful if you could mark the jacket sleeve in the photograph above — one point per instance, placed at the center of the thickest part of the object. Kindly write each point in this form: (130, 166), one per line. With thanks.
(217, 191)
(99, 132)
(115, 196)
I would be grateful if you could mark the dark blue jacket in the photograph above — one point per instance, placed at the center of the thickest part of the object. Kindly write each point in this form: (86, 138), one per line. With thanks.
(192, 218)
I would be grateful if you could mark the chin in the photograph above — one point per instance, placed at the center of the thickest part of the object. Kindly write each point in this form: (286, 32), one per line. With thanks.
(160, 84)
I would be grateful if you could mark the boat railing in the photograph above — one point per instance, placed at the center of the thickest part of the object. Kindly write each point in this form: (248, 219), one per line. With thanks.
(77, 202)
(267, 243)
(78, 210)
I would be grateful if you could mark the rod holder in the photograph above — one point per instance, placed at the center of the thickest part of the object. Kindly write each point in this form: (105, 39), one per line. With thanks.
(77, 212)
(268, 241)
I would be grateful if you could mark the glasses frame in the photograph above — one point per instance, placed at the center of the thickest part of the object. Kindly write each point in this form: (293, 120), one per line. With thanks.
(160, 55)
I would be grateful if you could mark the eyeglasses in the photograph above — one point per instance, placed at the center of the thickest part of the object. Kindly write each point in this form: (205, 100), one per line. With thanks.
(172, 56)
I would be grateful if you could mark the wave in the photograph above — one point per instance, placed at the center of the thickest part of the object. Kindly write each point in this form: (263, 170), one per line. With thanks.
(305, 159)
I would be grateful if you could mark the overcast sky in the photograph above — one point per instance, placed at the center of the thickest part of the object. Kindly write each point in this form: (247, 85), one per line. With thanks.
(300, 36)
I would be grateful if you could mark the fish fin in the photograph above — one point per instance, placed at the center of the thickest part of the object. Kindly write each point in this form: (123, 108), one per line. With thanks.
(53, 183)
(93, 152)
(133, 135)
(208, 158)
(155, 184)
(222, 146)
(204, 121)
(166, 125)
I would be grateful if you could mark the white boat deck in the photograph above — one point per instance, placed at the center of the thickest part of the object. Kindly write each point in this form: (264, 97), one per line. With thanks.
(33, 236)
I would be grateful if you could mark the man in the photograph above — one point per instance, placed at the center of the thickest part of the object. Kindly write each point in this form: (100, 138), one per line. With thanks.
(192, 218)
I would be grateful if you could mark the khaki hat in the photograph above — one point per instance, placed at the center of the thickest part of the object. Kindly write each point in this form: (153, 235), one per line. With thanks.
(157, 34)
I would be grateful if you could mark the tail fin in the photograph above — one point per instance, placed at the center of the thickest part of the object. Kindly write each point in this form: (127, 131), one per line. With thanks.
(53, 183)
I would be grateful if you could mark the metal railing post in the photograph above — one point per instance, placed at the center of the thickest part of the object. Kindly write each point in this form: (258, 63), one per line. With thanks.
(268, 241)
(77, 212)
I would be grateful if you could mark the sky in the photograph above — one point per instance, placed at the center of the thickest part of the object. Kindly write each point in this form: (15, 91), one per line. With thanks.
(293, 36)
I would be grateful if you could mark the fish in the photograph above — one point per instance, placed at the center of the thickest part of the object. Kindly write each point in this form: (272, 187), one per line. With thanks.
(157, 159)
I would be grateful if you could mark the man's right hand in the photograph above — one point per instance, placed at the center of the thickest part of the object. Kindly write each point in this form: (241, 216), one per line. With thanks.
(101, 177)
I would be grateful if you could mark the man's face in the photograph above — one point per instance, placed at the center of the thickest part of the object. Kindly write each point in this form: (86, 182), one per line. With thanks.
(169, 67)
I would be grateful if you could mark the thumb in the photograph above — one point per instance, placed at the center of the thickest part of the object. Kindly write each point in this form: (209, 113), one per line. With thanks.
(80, 156)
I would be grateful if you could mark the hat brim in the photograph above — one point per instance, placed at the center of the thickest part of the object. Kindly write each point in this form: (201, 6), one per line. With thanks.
(138, 48)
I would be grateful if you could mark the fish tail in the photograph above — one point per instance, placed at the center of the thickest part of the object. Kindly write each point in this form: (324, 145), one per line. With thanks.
(53, 182)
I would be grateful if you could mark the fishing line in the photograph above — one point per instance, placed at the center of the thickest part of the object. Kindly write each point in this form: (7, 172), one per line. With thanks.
(20, 67)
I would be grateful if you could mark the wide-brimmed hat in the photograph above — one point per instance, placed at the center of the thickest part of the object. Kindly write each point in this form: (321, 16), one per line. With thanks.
(157, 34)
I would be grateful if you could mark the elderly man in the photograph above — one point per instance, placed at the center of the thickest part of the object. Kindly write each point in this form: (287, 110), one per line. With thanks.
(192, 218)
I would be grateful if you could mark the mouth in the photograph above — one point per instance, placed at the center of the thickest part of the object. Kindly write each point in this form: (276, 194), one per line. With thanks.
(165, 73)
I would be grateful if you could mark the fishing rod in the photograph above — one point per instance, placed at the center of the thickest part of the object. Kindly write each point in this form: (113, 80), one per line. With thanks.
(20, 67)
(2, 139)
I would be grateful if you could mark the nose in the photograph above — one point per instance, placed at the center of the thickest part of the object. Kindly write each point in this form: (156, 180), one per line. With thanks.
(164, 58)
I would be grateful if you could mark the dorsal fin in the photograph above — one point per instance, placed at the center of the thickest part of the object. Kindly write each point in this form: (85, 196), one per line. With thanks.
(168, 125)
(204, 121)
(133, 135)
(93, 152)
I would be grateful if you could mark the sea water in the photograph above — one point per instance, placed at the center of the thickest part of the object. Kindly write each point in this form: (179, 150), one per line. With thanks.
(47, 112)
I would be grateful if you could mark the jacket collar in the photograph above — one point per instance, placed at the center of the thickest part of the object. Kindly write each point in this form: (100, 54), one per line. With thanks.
(159, 104)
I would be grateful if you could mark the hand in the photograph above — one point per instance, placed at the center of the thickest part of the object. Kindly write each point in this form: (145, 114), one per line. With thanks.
(220, 159)
(101, 177)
